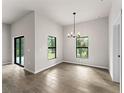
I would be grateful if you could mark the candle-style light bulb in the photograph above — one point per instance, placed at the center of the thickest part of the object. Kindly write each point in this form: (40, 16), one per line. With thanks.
(68, 35)
(71, 33)
(78, 34)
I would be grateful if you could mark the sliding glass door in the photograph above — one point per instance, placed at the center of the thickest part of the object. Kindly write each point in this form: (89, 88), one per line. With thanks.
(19, 50)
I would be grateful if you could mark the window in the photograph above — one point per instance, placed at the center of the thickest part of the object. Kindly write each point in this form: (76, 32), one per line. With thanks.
(51, 47)
(82, 47)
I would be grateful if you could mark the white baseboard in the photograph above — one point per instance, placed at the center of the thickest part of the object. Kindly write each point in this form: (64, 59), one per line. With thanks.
(63, 62)
(87, 65)
(47, 67)
(29, 70)
(6, 63)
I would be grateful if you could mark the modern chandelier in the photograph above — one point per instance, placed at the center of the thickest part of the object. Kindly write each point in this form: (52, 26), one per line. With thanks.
(72, 34)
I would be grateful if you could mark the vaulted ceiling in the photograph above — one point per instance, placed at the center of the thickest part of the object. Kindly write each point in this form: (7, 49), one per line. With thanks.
(58, 10)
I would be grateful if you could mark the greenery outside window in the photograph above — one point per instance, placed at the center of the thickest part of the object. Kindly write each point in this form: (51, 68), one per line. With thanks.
(82, 47)
(51, 47)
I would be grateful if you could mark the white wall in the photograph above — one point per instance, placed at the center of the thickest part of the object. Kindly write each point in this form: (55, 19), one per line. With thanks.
(115, 10)
(6, 44)
(36, 28)
(45, 27)
(26, 27)
(97, 31)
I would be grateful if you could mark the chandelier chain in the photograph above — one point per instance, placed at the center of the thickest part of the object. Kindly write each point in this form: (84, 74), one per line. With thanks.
(74, 22)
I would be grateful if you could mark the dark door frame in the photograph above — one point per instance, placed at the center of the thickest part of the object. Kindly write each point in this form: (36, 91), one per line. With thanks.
(19, 48)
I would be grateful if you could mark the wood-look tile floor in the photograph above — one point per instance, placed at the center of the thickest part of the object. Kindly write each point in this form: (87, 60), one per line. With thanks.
(62, 78)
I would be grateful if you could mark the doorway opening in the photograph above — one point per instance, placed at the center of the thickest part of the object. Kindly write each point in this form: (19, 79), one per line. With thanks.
(19, 50)
(117, 30)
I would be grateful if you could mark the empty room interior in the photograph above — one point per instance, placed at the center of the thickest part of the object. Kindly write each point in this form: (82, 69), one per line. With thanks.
(61, 46)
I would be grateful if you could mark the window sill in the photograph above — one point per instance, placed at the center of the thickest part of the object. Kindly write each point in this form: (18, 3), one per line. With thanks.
(81, 58)
(51, 59)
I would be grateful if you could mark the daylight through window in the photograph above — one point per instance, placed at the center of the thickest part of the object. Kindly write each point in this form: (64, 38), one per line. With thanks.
(82, 47)
(51, 47)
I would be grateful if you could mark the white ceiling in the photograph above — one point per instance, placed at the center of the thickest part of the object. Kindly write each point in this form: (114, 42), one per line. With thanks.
(58, 10)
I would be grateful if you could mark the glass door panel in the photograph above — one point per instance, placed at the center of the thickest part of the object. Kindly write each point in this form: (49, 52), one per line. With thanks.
(17, 51)
(22, 51)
